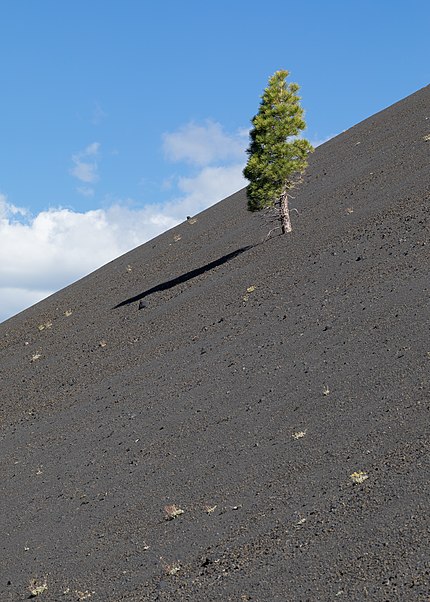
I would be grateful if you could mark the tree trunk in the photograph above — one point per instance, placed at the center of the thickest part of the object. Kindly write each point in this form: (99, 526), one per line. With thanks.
(284, 213)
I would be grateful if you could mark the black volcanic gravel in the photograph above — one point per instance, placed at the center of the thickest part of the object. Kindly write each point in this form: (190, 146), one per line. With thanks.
(259, 375)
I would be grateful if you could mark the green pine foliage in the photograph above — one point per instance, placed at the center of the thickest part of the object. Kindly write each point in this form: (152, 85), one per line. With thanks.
(276, 154)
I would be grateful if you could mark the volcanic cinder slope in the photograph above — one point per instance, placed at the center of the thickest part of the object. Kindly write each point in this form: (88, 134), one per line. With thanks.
(258, 387)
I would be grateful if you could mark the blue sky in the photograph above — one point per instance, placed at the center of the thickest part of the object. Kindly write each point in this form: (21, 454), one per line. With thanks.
(120, 117)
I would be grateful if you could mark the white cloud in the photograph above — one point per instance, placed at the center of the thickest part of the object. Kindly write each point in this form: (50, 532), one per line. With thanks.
(14, 300)
(204, 144)
(43, 253)
(91, 149)
(220, 158)
(85, 166)
(7, 209)
(58, 246)
(211, 184)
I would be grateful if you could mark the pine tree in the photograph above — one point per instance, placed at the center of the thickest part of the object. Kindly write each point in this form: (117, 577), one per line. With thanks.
(277, 156)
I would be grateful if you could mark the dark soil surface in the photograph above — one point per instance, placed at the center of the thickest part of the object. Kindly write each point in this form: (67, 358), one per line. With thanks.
(257, 383)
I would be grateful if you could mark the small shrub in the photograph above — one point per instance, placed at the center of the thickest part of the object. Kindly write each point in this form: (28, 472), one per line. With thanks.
(172, 511)
(299, 434)
(359, 476)
(37, 587)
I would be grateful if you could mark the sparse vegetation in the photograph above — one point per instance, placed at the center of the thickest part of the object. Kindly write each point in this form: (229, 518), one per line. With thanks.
(80, 595)
(299, 435)
(172, 569)
(83, 595)
(37, 587)
(172, 511)
(249, 290)
(359, 476)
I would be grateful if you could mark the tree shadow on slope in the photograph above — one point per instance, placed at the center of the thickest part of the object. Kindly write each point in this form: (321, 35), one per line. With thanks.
(164, 286)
